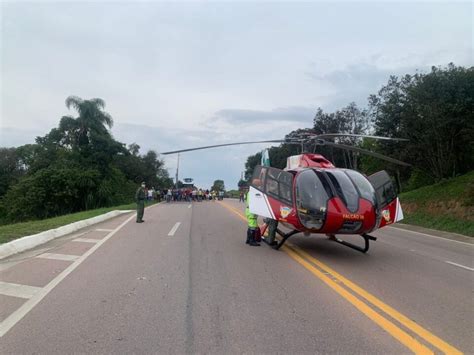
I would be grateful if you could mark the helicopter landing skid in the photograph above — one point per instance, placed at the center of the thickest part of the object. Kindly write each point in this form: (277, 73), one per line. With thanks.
(367, 239)
(277, 245)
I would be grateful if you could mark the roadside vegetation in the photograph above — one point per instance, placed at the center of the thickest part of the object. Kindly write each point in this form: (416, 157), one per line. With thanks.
(17, 230)
(447, 205)
(77, 166)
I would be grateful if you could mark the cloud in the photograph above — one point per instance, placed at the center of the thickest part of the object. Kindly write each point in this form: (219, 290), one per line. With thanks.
(355, 82)
(300, 114)
(15, 137)
(197, 74)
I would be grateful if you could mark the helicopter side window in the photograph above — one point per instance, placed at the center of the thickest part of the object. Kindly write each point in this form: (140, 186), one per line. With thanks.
(271, 186)
(258, 177)
(311, 199)
(385, 190)
(278, 185)
(345, 189)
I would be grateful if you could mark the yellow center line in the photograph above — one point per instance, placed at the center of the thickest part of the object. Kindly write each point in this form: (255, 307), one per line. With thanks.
(416, 328)
(305, 260)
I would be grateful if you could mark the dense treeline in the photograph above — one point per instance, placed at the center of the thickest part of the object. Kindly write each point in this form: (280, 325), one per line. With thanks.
(434, 111)
(76, 166)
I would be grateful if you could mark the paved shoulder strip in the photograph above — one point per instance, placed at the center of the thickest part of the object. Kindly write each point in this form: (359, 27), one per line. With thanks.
(16, 290)
(86, 240)
(65, 257)
(21, 312)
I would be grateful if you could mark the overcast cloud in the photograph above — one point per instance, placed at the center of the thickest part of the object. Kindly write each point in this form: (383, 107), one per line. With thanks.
(177, 75)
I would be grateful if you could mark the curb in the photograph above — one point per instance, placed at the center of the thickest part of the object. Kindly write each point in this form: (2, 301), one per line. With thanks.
(31, 241)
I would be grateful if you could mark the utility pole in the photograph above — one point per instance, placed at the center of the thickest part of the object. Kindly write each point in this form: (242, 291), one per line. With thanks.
(177, 172)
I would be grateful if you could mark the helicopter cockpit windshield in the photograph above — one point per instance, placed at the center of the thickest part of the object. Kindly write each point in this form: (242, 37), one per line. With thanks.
(314, 188)
(311, 199)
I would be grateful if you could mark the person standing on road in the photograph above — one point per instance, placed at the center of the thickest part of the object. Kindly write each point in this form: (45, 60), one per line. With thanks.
(252, 224)
(140, 198)
(272, 228)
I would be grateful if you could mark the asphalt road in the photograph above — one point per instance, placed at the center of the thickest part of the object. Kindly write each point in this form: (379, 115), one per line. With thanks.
(185, 282)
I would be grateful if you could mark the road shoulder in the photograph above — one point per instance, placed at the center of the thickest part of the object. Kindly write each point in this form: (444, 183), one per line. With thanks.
(434, 233)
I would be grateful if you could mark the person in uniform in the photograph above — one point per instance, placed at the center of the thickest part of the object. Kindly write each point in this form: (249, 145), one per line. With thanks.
(140, 198)
(252, 224)
(272, 228)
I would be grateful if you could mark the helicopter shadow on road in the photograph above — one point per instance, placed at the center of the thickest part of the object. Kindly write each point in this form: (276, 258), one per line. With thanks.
(322, 247)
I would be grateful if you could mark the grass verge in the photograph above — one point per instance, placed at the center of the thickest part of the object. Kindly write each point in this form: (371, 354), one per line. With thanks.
(10, 232)
(442, 223)
(446, 206)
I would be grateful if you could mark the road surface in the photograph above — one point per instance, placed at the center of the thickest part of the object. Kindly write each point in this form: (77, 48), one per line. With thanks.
(185, 282)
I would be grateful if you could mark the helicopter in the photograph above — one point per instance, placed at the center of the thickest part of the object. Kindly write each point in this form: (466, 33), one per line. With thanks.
(312, 196)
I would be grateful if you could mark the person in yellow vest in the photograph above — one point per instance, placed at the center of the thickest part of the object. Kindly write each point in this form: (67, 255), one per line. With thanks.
(252, 224)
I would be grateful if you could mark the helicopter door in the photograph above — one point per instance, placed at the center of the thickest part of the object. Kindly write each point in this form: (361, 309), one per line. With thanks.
(258, 201)
(384, 188)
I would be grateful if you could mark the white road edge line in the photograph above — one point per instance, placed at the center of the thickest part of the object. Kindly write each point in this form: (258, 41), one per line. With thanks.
(16, 316)
(432, 236)
(17, 290)
(174, 229)
(104, 230)
(52, 256)
(459, 265)
(189, 206)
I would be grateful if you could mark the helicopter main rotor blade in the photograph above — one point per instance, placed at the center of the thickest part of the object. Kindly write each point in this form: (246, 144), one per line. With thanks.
(332, 135)
(367, 152)
(222, 145)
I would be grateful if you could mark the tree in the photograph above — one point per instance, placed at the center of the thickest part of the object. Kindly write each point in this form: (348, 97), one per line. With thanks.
(242, 184)
(134, 149)
(76, 166)
(11, 169)
(350, 119)
(92, 119)
(251, 163)
(435, 111)
(218, 185)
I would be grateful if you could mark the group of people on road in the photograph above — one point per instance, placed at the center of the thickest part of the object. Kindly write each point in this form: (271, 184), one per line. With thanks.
(172, 195)
(198, 195)
(190, 195)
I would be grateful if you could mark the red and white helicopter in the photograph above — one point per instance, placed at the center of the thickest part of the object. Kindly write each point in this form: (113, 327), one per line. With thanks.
(312, 196)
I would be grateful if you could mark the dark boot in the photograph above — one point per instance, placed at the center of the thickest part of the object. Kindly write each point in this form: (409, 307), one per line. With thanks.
(249, 236)
(253, 242)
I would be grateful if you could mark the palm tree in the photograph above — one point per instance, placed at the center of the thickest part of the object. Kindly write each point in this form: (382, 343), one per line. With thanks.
(92, 119)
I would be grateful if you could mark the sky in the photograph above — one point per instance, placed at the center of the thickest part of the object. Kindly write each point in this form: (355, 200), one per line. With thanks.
(184, 74)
